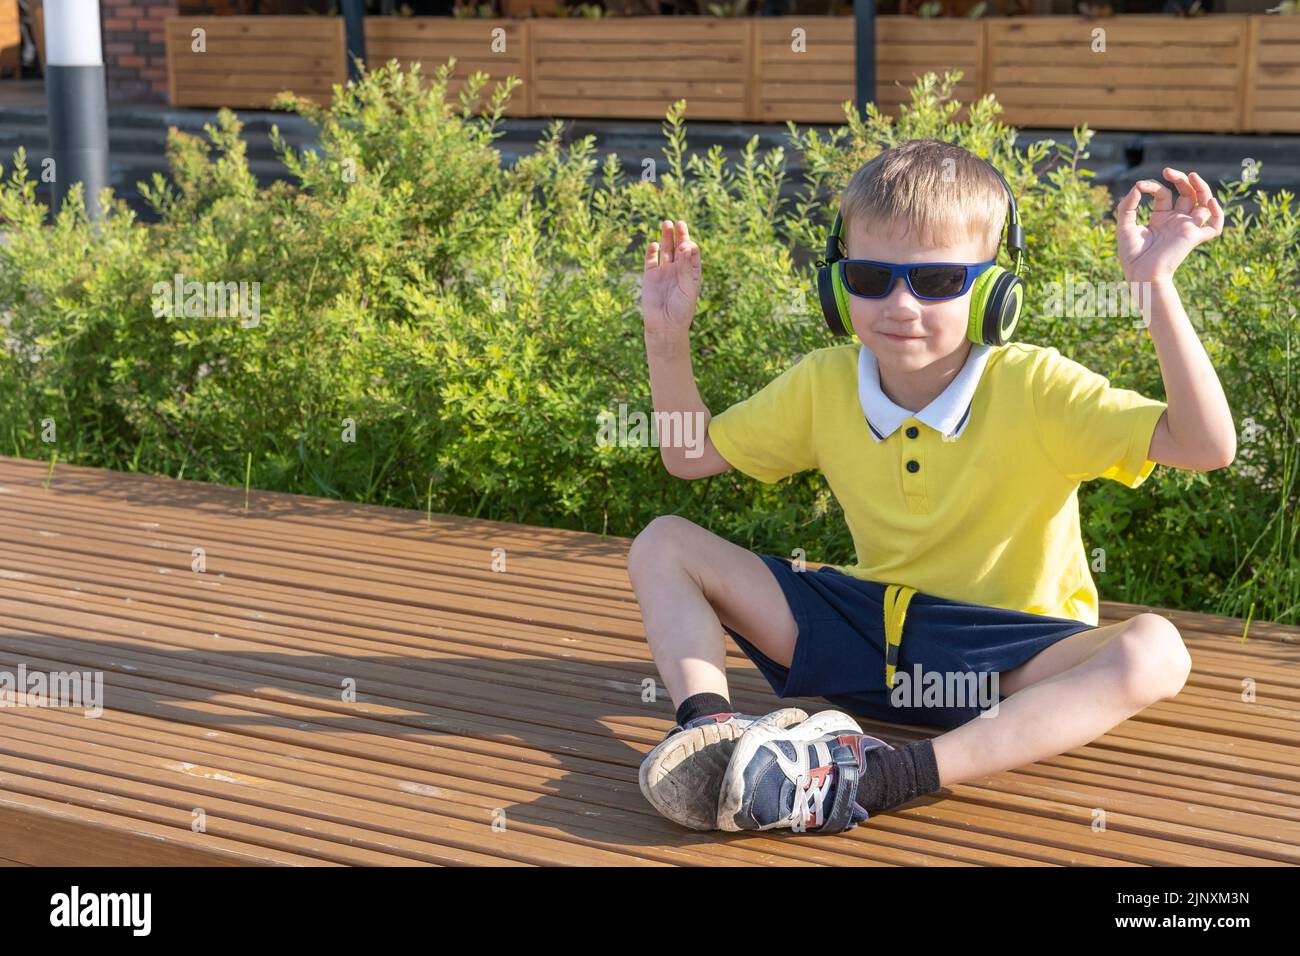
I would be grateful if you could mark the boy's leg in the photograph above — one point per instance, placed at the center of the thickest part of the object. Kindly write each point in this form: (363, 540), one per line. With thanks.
(689, 582)
(1082, 687)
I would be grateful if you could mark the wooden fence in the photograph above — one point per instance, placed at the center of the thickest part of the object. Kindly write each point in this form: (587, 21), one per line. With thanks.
(1272, 102)
(1220, 73)
(246, 61)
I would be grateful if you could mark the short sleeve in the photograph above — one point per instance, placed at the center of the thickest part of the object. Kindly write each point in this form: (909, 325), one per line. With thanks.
(1089, 428)
(768, 436)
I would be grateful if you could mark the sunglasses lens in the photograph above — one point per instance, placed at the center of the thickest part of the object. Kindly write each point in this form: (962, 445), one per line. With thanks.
(864, 279)
(938, 282)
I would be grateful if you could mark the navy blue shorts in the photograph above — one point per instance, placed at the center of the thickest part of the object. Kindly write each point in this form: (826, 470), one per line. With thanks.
(839, 653)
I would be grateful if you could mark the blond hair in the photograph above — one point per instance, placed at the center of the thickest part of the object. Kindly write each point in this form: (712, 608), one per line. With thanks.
(940, 190)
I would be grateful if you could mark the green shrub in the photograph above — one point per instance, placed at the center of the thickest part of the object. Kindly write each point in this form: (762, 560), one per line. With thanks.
(469, 324)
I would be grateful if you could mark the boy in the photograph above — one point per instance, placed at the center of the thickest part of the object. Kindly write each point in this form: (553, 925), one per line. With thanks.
(957, 465)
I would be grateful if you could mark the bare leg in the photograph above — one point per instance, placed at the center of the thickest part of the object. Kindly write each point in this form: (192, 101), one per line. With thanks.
(689, 582)
(1141, 661)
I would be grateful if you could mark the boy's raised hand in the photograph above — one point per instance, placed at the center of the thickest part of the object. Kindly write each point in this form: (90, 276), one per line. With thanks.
(1152, 252)
(671, 283)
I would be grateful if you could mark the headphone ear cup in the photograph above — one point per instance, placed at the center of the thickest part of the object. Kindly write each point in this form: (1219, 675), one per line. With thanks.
(1002, 315)
(831, 299)
(996, 303)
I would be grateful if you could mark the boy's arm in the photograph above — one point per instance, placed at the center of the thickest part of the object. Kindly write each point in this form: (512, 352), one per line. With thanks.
(669, 289)
(673, 388)
(1196, 431)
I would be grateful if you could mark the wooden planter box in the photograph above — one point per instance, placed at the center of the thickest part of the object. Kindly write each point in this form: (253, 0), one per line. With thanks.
(499, 48)
(635, 67)
(807, 77)
(1219, 73)
(1156, 72)
(248, 60)
(1272, 101)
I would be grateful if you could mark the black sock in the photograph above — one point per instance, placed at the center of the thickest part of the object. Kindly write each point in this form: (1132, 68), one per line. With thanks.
(893, 777)
(697, 705)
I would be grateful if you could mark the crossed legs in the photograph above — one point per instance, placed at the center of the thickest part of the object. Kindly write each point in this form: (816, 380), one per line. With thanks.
(689, 582)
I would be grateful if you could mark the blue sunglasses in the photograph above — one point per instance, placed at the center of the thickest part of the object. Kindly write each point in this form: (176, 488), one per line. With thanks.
(869, 279)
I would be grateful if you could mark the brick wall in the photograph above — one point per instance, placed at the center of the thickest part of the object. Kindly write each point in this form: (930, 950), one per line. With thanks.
(135, 58)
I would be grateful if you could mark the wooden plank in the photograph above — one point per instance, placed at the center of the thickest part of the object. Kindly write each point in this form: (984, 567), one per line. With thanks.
(648, 88)
(602, 69)
(632, 51)
(254, 47)
(1275, 58)
(1286, 76)
(41, 832)
(245, 56)
(696, 109)
(1280, 30)
(1222, 30)
(252, 84)
(284, 66)
(1109, 98)
(723, 31)
(1271, 93)
(906, 29)
(1073, 55)
(1269, 120)
(1247, 79)
(442, 29)
(267, 28)
(754, 74)
(1272, 98)
(1120, 118)
(1154, 82)
(222, 691)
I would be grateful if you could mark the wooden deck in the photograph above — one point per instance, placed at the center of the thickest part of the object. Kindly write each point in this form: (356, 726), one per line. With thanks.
(498, 717)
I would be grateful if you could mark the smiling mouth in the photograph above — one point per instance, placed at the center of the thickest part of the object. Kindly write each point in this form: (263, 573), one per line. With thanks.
(901, 338)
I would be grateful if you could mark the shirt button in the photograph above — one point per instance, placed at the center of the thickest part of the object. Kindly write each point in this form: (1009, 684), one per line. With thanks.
(912, 432)
(914, 465)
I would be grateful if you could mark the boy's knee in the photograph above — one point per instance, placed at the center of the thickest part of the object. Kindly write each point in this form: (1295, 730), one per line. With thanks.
(1156, 663)
(658, 541)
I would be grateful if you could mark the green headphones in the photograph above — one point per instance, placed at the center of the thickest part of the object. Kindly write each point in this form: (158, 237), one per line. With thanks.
(996, 298)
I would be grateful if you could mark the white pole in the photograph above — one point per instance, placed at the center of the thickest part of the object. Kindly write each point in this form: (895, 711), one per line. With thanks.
(78, 102)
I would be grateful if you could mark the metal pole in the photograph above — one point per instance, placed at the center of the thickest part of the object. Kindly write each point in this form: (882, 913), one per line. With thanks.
(78, 101)
(354, 26)
(864, 38)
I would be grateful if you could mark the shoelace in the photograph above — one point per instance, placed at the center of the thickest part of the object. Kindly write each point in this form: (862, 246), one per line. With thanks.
(807, 807)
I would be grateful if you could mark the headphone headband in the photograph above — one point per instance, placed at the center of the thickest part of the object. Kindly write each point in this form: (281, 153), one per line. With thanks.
(1015, 241)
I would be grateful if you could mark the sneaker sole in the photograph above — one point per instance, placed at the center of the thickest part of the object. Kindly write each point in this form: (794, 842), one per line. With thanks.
(681, 777)
(732, 791)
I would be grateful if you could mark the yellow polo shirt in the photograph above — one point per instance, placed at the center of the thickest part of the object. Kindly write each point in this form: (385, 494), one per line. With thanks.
(990, 516)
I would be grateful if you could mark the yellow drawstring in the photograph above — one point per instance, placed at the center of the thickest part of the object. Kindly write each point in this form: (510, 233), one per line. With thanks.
(897, 597)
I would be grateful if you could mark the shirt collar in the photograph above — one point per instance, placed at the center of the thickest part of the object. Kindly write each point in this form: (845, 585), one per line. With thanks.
(948, 414)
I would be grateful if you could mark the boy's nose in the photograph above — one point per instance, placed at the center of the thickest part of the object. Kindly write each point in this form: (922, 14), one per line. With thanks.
(900, 299)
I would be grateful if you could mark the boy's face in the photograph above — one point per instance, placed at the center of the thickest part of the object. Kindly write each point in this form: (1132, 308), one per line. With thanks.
(933, 330)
